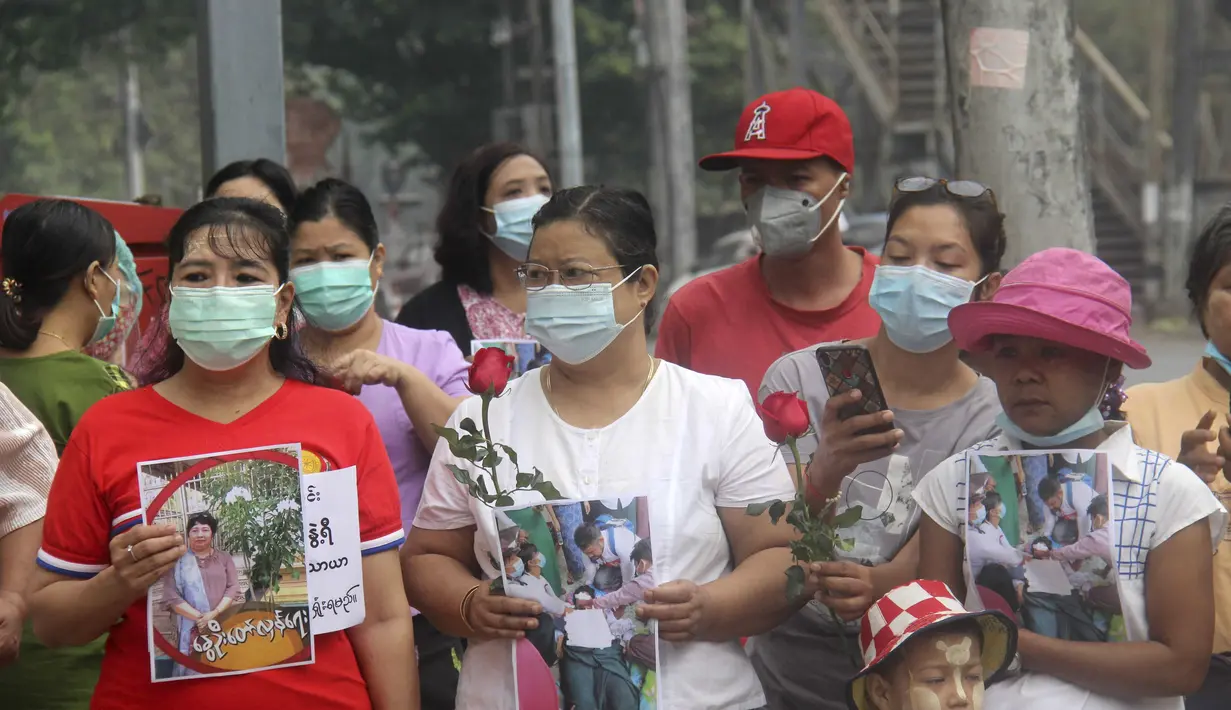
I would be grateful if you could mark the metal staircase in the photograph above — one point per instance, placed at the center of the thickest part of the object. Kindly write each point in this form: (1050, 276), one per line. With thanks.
(895, 51)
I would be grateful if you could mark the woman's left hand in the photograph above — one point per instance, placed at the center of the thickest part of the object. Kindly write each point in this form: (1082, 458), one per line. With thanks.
(679, 607)
(844, 586)
(203, 622)
(364, 367)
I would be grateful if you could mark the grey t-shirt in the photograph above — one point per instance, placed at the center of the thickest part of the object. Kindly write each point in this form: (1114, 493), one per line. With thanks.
(807, 661)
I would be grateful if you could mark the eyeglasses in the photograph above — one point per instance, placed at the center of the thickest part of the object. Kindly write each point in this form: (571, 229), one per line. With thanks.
(958, 188)
(575, 277)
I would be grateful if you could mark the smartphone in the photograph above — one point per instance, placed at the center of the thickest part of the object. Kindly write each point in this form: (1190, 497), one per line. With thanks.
(847, 366)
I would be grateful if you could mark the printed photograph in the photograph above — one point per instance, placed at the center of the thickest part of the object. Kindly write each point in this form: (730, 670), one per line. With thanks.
(589, 563)
(237, 601)
(527, 354)
(1039, 542)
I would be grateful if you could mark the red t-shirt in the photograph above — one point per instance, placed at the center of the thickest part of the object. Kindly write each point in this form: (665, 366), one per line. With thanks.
(727, 323)
(95, 497)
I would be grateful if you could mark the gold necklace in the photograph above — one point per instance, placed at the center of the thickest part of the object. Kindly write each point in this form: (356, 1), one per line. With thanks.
(62, 340)
(644, 386)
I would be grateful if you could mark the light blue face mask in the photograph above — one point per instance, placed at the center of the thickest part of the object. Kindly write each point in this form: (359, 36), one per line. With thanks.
(106, 323)
(334, 295)
(575, 326)
(1089, 423)
(223, 327)
(514, 226)
(1212, 353)
(980, 516)
(519, 568)
(914, 304)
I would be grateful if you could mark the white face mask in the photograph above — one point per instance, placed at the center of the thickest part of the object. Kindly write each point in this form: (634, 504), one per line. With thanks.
(575, 325)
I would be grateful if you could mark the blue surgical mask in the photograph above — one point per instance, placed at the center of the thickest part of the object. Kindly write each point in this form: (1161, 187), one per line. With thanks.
(980, 516)
(1212, 353)
(518, 569)
(334, 295)
(539, 560)
(223, 327)
(106, 323)
(575, 325)
(513, 224)
(1089, 423)
(914, 303)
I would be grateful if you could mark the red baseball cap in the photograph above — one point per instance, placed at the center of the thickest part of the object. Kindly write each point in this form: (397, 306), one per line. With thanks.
(796, 124)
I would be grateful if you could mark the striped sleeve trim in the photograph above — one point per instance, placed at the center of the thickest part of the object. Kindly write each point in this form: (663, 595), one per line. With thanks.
(55, 564)
(125, 521)
(392, 541)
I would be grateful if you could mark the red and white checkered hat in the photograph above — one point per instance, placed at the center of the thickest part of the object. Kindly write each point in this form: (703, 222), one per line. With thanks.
(923, 605)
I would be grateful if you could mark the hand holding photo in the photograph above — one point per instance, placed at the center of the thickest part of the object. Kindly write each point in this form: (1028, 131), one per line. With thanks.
(590, 566)
(236, 602)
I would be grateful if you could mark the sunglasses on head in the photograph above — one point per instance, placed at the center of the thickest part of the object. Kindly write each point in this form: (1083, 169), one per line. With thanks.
(958, 188)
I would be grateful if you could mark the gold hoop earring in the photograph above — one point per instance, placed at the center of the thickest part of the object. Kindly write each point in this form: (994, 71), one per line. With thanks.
(281, 331)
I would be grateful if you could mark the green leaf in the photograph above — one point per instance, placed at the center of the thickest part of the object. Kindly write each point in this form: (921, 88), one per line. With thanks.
(538, 477)
(491, 460)
(462, 475)
(548, 490)
(504, 501)
(776, 511)
(759, 508)
(467, 425)
(847, 543)
(794, 582)
(848, 517)
(508, 451)
(525, 480)
(482, 485)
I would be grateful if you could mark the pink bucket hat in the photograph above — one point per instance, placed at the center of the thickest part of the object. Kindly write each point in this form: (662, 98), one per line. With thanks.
(1063, 295)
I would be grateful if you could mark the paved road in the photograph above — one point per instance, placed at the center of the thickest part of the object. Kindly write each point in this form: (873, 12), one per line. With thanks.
(1174, 354)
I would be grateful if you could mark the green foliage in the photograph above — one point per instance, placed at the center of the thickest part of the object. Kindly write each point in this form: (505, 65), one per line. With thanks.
(257, 507)
(470, 443)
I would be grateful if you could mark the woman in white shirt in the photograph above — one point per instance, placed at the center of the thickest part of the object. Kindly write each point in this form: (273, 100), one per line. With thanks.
(607, 420)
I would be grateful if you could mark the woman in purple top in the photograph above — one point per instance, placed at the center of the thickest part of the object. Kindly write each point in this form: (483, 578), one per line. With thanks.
(410, 380)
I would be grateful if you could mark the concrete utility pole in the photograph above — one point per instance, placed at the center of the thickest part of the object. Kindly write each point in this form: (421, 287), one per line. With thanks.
(667, 22)
(658, 193)
(243, 105)
(568, 96)
(798, 43)
(134, 152)
(1151, 189)
(1186, 87)
(1017, 120)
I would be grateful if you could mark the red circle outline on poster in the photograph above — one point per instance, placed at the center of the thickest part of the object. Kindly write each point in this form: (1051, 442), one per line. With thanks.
(174, 485)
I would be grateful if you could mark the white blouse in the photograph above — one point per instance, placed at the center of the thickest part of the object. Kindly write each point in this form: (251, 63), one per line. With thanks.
(692, 444)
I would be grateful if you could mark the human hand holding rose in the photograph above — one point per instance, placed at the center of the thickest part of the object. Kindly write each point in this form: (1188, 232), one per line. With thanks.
(785, 418)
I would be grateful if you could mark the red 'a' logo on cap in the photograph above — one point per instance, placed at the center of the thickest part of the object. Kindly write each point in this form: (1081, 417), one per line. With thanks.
(756, 128)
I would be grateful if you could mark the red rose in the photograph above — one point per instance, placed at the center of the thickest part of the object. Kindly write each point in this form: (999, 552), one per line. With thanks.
(785, 416)
(490, 372)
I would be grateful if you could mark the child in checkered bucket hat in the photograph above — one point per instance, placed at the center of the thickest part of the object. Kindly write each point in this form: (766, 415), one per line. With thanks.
(924, 650)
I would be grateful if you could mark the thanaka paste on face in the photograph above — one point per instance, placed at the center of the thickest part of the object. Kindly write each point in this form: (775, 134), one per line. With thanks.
(921, 697)
(958, 655)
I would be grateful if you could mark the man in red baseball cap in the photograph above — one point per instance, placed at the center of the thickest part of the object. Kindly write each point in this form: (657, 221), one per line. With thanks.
(795, 156)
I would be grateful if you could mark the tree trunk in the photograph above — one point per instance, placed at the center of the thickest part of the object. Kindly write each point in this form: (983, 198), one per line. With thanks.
(1017, 122)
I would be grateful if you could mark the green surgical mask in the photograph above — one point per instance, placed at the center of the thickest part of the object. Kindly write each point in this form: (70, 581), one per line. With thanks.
(223, 327)
(334, 295)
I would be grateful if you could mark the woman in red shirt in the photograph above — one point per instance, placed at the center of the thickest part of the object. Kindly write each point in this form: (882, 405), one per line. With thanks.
(233, 379)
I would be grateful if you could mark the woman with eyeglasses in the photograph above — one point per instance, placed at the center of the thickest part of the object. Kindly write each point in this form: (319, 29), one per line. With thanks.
(605, 420)
(943, 247)
(410, 380)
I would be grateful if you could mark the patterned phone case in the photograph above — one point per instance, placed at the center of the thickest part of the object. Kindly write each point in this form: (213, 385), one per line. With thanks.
(848, 367)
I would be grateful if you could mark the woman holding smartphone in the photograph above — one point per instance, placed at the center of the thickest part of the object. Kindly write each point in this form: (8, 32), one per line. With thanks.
(943, 247)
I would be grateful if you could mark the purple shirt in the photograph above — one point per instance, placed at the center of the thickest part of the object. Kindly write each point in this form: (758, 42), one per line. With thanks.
(433, 353)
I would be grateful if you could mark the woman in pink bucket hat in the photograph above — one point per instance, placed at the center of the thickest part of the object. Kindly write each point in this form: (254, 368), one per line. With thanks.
(1056, 335)
(923, 650)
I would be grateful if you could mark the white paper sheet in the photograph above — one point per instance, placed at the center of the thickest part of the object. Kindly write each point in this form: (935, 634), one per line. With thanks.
(588, 629)
(1047, 577)
(332, 552)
